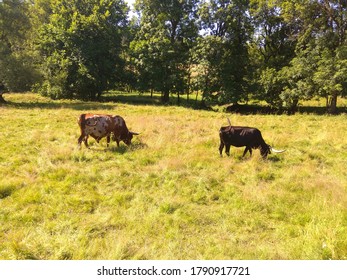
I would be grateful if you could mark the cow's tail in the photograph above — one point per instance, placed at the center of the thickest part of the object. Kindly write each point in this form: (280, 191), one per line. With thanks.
(82, 121)
(229, 121)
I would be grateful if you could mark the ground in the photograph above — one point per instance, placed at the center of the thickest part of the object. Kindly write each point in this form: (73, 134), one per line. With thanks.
(169, 195)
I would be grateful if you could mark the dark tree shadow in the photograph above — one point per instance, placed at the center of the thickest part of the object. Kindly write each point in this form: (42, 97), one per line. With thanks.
(79, 106)
(273, 158)
(122, 149)
(110, 101)
(245, 109)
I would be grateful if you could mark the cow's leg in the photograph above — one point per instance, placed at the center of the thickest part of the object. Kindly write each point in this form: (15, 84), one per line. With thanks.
(227, 150)
(108, 139)
(80, 139)
(85, 140)
(247, 149)
(117, 141)
(221, 147)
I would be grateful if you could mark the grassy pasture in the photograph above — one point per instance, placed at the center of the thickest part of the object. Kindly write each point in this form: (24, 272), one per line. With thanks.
(169, 195)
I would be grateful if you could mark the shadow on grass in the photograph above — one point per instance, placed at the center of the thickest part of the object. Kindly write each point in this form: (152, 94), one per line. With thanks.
(155, 100)
(274, 158)
(122, 149)
(6, 191)
(138, 99)
(243, 109)
(320, 110)
(247, 157)
(246, 109)
(82, 106)
(106, 102)
(110, 99)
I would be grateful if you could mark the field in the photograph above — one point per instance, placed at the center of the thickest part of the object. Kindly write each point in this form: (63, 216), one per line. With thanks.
(169, 195)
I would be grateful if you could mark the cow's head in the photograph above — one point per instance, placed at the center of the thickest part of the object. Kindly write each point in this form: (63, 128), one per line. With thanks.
(126, 138)
(129, 136)
(265, 150)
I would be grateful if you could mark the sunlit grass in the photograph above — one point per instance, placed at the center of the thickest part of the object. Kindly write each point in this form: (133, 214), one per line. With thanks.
(169, 195)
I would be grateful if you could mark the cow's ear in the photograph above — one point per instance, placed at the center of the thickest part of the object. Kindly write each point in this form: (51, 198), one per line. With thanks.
(134, 133)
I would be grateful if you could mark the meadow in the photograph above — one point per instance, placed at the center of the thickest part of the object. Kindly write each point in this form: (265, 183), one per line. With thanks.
(169, 195)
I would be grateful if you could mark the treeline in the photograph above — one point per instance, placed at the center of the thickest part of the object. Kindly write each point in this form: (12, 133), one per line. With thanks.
(229, 51)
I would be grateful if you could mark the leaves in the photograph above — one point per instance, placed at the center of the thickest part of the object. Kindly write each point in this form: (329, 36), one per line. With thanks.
(82, 44)
(228, 51)
(161, 46)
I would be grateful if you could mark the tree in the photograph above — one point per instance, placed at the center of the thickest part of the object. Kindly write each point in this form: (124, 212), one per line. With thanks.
(17, 73)
(321, 52)
(227, 55)
(206, 57)
(331, 70)
(81, 48)
(273, 47)
(167, 32)
(2, 91)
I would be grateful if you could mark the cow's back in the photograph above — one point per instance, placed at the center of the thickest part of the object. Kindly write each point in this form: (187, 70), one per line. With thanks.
(96, 125)
(83, 118)
(240, 136)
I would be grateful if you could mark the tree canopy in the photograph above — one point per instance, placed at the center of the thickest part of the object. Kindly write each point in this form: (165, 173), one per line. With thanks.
(229, 51)
(82, 45)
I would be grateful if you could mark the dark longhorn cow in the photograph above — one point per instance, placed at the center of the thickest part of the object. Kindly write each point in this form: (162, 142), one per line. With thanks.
(240, 136)
(99, 126)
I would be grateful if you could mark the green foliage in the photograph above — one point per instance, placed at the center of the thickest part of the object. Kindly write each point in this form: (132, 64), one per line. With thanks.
(274, 43)
(331, 71)
(319, 67)
(81, 46)
(206, 57)
(16, 61)
(229, 51)
(224, 51)
(299, 44)
(271, 85)
(161, 46)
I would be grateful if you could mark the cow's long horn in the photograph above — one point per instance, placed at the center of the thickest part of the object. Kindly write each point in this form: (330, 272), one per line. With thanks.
(229, 122)
(277, 151)
(134, 133)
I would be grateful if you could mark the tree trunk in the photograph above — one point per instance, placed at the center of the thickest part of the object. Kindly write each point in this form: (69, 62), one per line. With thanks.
(189, 81)
(332, 104)
(98, 95)
(293, 108)
(165, 96)
(2, 100)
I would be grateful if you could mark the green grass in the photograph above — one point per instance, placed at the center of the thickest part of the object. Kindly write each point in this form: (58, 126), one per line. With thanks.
(169, 195)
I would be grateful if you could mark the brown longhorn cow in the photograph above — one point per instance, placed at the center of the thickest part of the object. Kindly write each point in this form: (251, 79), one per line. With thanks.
(99, 126)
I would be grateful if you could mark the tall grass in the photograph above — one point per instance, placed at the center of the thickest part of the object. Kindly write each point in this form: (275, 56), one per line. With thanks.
(169, 195)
